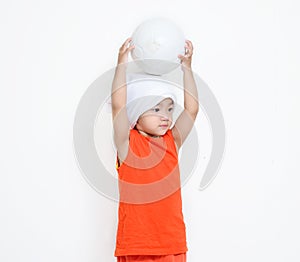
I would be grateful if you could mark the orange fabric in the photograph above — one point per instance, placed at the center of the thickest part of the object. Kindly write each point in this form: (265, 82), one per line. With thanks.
(141, 258)
(150, 219)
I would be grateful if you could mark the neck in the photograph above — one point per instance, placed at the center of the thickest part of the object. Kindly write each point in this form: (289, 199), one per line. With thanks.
(146, 134)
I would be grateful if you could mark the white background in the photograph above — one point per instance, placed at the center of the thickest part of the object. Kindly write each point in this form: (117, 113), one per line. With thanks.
(246, 51)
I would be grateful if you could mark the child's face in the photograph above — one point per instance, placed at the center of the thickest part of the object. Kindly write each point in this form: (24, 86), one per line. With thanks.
(157, 120)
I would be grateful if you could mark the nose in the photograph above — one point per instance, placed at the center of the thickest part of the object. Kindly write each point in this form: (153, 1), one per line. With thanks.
(165, 115)
(164, 118)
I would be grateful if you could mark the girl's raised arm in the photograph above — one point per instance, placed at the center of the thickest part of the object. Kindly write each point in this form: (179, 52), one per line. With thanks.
(121, 124)
(186, 119)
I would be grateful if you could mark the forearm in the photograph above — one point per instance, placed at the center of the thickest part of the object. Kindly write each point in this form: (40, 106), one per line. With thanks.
(118, 91)
(191, 103)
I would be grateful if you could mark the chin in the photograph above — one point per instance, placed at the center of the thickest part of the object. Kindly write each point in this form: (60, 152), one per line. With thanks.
(164, 132)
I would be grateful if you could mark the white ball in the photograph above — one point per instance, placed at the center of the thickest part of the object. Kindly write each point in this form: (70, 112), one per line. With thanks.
(158, 42)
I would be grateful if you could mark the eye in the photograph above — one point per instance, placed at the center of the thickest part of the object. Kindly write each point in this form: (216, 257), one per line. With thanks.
(170, 109)
(155, 109)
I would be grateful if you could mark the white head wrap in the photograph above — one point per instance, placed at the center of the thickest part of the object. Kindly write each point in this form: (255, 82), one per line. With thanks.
(144, 92)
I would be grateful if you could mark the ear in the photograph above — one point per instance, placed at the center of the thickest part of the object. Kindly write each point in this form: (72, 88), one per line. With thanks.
(136, 124)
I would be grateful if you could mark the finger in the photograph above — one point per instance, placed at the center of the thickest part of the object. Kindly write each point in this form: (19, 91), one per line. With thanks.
(190, 45)
(188, 49)
(189, 42)
(189, 52)
(130, 48)
(182, 57)
(128, 40)
(125, 44)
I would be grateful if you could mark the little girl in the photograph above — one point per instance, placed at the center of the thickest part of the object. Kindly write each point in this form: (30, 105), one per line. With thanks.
(150, 220)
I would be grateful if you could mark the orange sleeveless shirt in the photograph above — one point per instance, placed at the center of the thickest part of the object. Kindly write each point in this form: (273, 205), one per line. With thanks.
(150, 219)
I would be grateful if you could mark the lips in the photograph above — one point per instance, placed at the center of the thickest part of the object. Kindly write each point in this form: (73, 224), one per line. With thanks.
(164, 126)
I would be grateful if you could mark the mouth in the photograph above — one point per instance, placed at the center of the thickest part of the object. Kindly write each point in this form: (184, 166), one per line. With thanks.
(163, 126)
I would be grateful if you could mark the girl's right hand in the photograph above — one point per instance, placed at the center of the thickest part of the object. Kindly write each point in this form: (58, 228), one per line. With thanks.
(124, 50)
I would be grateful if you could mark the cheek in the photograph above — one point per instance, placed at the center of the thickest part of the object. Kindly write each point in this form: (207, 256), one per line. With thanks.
(147, 119)
(151, 120)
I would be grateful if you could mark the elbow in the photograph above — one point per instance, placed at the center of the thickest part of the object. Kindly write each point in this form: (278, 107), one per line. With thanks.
(192, 109)
(193, 112)
(118, 105)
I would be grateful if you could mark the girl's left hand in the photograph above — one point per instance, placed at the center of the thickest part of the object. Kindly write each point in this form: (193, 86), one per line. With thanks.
(186, 59)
